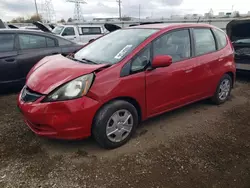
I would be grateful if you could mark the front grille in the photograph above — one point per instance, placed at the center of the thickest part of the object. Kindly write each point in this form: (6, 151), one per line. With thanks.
(29, 96)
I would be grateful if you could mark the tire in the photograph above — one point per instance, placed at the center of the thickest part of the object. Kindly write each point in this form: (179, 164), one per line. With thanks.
(105, 121)
(216, 98)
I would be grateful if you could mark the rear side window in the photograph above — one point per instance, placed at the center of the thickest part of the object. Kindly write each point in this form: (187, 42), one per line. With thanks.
(64, 42)
(91, 30)
(69, 31)
(221, 38)
(176, 44)
(50, 42)
(31, 41)
(204, 41)
(7, 42)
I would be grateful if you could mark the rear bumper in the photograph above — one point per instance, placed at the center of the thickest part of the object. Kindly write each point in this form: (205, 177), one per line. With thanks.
(244, 67)
(242, 64)
(61, 120)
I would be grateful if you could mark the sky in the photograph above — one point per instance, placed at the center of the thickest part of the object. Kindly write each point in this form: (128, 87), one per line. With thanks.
(10, 9)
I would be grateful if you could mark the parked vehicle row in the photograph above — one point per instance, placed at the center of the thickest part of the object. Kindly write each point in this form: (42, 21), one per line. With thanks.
(127, 76)
(20, 50)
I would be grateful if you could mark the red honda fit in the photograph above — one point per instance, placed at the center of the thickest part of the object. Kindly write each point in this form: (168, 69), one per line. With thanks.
(125, 77)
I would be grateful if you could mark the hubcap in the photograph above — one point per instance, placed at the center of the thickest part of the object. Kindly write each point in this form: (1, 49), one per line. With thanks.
(119, 125)
(225, 87)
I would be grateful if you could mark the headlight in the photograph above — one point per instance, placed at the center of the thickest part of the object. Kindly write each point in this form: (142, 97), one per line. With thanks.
(72, 90)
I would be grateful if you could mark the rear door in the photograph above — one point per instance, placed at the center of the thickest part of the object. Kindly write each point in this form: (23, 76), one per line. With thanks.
(9, 70)
(34, 47)
(173, 86)
(207, 58)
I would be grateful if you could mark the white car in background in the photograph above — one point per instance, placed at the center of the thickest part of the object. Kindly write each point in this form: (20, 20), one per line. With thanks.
(81, 34)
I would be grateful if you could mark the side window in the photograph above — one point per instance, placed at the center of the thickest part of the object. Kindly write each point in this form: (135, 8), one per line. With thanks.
(64, 42)
(221, 38)
(204, 41)
(7, 42)
(50, 42)
(31, 41)
(141, 60)
(68, 31)
(91, 31)
(176, 44)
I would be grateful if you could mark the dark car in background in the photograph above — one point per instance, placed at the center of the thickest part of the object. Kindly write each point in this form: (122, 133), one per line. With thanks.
(20, 50)
(239, 32)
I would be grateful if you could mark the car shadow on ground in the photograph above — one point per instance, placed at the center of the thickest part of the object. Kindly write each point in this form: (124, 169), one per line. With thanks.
(243, 76)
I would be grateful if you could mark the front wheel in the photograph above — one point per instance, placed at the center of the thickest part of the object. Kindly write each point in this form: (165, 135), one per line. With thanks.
(114, 124)
(223, 90)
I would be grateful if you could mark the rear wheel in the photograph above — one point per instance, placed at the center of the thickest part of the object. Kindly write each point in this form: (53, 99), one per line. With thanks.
(114, 124)
(223, 90)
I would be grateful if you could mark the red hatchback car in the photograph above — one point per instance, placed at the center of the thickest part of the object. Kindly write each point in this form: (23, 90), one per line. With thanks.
(125, 77)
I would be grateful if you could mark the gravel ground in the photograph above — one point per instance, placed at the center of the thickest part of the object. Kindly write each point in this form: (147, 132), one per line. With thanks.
(200, 145)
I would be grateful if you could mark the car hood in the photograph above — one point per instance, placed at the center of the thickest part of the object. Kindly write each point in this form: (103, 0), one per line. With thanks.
(53, 71)
(41, 27)
(238, 29)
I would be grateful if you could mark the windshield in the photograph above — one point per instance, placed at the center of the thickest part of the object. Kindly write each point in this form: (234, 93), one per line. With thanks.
(113, 47)
(57, 30)
(245, 41)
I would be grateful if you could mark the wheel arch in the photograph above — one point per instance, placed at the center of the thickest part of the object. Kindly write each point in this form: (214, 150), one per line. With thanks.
(131, 100)
(232, 75)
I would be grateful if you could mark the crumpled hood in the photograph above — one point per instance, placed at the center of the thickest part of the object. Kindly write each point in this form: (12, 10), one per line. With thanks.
(53, 71)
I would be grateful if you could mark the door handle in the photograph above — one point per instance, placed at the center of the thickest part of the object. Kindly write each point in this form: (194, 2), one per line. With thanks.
(10, 60)
(221, 58)
(189, 70)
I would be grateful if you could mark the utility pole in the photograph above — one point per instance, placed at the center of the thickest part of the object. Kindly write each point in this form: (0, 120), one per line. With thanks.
(120, 11)
(139, 12)
(78, 11)
(36, 8)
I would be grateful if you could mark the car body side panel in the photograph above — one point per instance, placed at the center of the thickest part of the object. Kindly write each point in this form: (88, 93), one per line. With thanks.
(28, 58)
(106, 89)
(224, 64)
(9, 70)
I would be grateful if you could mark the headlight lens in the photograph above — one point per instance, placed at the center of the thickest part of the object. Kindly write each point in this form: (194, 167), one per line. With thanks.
(72, 90)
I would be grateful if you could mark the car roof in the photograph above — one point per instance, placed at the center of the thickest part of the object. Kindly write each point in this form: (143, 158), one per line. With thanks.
(30, 31)
(169, 26)
(27, 31)
(79, 25)
(21, 31)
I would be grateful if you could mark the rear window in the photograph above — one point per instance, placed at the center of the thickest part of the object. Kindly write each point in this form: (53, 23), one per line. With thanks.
(204, 41)
(91, 30)
(221, 38)
(7, 42)
(50, 42)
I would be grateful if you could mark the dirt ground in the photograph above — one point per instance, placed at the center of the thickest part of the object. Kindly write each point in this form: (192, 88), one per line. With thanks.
(200, 145)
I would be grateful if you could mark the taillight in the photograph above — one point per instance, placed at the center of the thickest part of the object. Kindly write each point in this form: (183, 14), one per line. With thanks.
(232, 47)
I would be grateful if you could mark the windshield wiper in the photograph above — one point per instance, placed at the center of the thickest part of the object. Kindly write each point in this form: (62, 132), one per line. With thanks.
(89, 61)
(84, 61)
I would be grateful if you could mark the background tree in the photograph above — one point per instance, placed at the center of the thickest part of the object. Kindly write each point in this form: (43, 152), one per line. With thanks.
(70, 20)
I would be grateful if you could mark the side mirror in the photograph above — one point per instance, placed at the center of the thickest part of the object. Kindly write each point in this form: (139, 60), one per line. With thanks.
(65, 34)
(161, 61)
